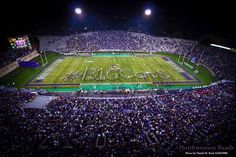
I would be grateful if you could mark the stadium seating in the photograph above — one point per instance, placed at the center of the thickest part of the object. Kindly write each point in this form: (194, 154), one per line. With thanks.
(153, 125)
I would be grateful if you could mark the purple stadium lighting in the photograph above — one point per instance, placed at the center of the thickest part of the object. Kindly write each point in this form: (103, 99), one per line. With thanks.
(148, 12)
(78, 11)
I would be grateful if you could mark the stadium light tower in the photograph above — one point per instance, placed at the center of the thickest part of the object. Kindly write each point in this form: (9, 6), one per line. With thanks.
(78, 11)
(148, 12)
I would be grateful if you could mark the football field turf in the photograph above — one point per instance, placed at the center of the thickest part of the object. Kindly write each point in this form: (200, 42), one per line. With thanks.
(97, 70)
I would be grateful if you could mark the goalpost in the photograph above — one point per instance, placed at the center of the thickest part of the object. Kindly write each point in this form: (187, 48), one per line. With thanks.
(43, 57)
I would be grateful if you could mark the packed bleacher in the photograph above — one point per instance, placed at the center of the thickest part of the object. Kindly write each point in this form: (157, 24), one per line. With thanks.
(153, 125)
(222, 62)
(111, 40)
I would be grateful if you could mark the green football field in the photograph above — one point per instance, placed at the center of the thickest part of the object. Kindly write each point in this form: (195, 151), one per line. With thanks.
(110, 71)
(113, 70)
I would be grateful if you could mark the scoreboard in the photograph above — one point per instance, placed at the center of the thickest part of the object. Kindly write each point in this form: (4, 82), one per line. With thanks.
(19, 42)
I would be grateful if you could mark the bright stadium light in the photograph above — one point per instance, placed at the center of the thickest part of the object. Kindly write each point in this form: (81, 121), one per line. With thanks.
(148, 12)
(78, 11)
(223, 47)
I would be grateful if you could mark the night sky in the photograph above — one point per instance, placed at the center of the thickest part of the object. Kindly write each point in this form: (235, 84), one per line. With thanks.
(191, 17)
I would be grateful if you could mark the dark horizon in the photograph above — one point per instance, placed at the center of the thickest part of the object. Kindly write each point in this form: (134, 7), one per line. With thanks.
(192, 19)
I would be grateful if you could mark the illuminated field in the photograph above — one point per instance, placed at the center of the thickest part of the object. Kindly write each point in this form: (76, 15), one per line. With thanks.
(113, 70)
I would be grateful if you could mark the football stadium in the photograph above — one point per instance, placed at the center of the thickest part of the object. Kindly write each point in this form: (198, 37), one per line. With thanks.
(126, 90)
(125, 66)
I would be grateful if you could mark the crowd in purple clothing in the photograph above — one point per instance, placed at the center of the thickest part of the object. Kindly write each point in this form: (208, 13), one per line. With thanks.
(153, 125)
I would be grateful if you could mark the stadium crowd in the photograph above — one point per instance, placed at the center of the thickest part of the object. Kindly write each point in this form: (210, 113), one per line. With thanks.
(153, 125)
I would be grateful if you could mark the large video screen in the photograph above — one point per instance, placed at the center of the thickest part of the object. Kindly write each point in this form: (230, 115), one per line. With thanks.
(20, 42)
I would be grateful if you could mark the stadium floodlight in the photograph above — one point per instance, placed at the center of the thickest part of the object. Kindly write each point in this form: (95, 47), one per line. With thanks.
(78, 11)
(223, 47)
(148, 12)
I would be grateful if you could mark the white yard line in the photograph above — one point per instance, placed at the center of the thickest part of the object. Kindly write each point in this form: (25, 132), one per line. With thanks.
(45, 73)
